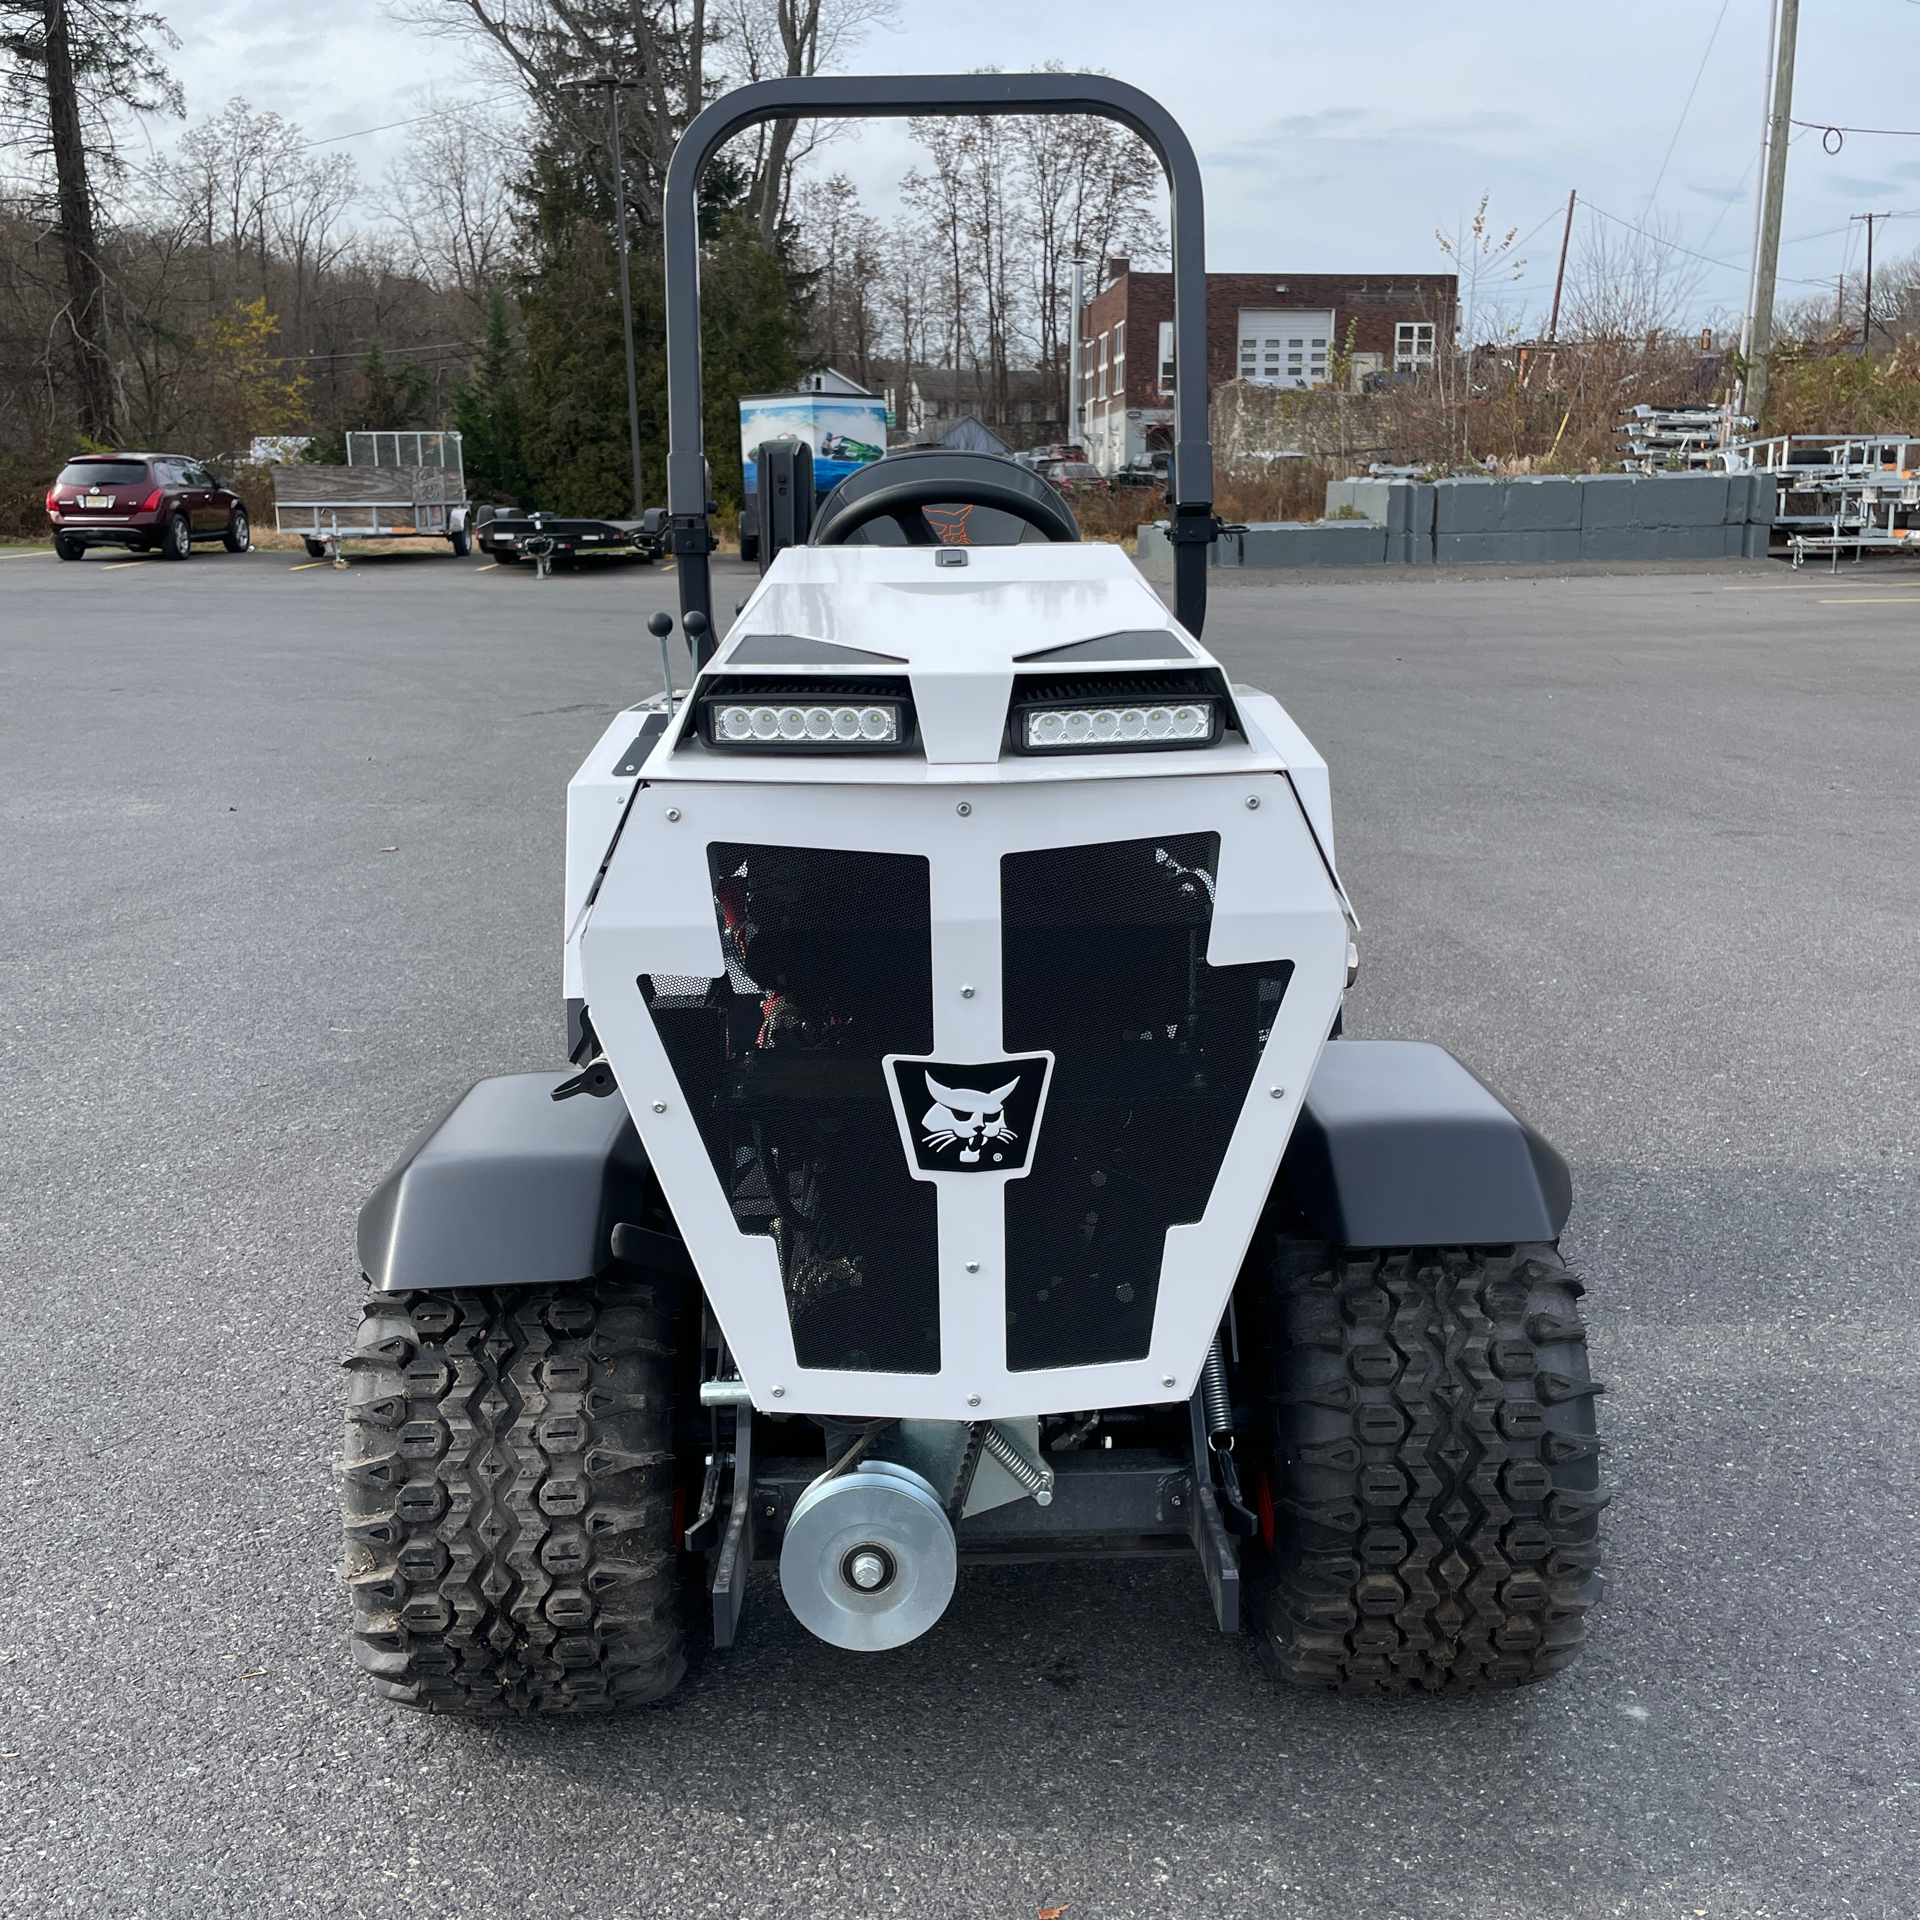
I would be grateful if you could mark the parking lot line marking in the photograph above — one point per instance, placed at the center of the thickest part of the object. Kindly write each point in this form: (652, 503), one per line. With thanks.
(305, 564)
(488, 568)
(1877, 600)
(39, 553)
(114, 566)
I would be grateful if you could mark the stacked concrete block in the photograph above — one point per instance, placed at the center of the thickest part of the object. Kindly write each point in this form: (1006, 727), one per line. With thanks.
(1672, 516)
(1284, 543)
(1303, 543)
(1751, 533)
(1404, 508)
(1524, 520)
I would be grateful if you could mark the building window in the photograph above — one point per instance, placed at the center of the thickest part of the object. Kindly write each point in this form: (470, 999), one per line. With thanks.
(1101, 391)
(1120, 361)
(1412, 345)
(1166, 356)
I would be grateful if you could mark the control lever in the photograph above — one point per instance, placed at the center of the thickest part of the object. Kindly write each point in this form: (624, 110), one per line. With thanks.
(596, 1078)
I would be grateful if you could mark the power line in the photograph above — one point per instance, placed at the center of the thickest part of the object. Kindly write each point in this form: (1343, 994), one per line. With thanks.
(360, 353)
(1660, 240)
(439, 113)
(1653, 193)
(1832, 139)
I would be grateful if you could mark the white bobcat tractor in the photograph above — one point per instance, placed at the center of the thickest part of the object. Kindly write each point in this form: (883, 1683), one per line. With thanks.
(960, 1165)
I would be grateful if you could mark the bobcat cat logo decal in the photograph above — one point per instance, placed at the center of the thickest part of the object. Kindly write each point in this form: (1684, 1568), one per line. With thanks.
(969, 1118)
(960, 1117)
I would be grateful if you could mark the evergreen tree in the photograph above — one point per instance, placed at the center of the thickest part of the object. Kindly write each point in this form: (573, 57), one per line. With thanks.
(393, 398)
(573, 392)
(486, 409)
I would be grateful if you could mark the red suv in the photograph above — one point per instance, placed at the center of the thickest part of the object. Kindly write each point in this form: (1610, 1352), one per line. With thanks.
(143, 501)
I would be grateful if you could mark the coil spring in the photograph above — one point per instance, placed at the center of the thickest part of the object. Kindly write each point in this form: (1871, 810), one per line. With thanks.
(1214, 1396)
(1035, 1481)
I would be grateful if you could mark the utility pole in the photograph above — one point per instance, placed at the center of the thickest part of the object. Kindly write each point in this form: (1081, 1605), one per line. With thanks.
(1760, 324)
(1739, 398)
(1560, 277)
(1553, 320)
(614, 88)
(1866, 313)
(1076, 293)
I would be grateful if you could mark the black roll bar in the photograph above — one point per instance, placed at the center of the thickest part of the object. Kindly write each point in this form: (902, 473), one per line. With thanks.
(862, 96)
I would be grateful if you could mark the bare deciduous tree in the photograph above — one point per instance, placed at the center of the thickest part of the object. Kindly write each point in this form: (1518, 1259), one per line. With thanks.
(452, 197)
(974, 277)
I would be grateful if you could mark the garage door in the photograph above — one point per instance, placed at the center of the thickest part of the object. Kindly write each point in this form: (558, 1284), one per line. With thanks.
(1284, 347)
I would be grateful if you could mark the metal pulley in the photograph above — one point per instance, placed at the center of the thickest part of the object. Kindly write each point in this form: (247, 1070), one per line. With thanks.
(869, 1559)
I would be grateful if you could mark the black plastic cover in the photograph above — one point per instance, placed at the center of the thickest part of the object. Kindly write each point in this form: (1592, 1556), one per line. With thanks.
(508, 1188)
(1398, 1145)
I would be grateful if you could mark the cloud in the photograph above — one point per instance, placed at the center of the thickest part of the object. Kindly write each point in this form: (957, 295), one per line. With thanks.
(1862, 189)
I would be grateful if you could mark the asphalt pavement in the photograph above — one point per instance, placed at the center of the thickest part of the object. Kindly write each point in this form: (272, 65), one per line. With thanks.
(280, 875)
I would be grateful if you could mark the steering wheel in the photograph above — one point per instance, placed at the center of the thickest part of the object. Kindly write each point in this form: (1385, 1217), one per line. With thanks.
(903, 486)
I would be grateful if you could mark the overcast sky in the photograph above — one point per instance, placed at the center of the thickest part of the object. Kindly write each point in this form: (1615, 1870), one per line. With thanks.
(1333, 136)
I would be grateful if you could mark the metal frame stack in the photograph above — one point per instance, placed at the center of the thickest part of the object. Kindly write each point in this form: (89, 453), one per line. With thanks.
(1844, 491)
(1696, 438)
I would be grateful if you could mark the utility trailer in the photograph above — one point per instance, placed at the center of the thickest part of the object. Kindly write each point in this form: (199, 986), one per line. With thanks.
(395, 486)
(511, 536)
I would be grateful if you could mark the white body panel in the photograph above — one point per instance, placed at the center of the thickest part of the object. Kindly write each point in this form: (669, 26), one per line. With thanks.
(959, 633)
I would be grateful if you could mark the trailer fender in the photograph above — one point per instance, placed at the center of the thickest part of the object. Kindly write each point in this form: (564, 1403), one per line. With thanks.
(1398, 1145)
(508, 1188)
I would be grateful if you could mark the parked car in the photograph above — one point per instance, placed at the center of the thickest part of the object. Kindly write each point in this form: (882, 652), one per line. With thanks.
(1142, 478)
(141, 501)
(1072, 476)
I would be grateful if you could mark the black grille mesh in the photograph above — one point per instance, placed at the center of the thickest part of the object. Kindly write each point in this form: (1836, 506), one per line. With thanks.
(1104, 957)
(829, 967)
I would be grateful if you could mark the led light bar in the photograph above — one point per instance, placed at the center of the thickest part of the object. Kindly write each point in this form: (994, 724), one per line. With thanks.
(1116, 725)
(779, 725)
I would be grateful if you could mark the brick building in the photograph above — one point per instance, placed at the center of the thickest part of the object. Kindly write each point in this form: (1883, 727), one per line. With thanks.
(1281, 330)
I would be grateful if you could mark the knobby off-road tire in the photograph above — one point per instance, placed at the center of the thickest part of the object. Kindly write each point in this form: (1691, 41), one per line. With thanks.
(509, 1499)
(1439, 1477)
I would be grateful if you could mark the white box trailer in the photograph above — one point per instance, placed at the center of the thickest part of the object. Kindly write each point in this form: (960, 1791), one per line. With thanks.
(395, 485)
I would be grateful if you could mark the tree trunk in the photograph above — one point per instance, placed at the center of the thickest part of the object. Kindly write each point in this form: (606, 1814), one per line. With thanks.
(770, 185)
(696, 60)
(800, 34)
(86, 288)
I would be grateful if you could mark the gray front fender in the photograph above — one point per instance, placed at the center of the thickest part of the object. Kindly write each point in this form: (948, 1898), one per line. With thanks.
(1398, 1145)
(509, 1188)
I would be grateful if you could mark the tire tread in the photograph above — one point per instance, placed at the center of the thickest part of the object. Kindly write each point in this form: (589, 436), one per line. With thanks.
(508, 1501)
(1440, 1490)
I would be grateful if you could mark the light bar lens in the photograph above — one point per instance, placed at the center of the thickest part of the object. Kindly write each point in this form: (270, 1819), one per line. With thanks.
(786, 724)
(1135, 724)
